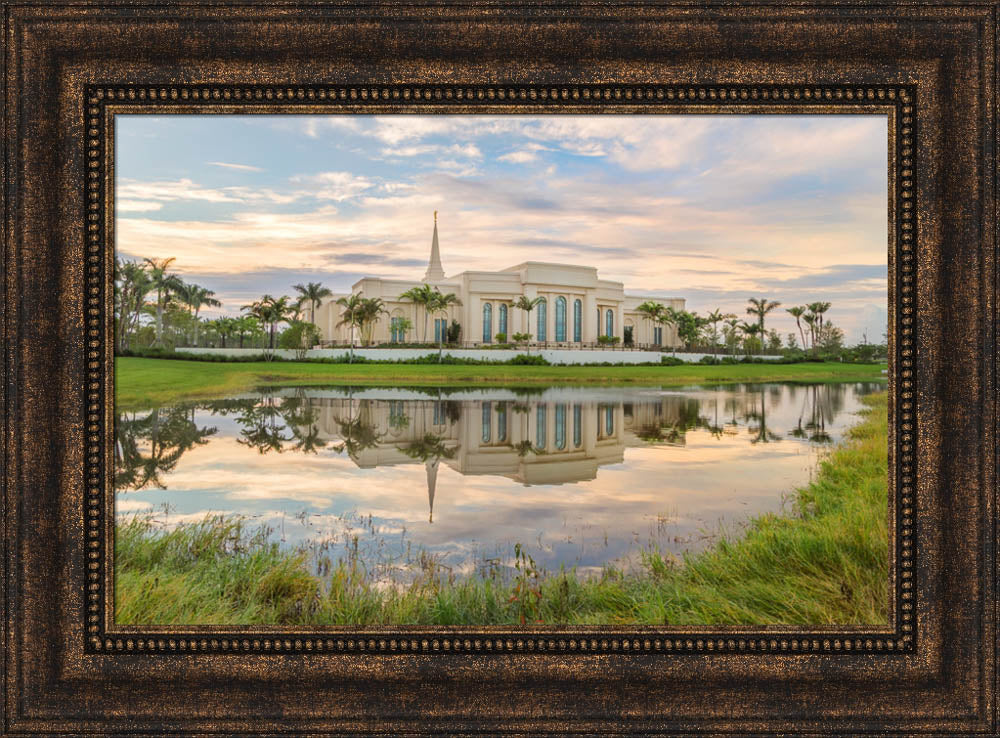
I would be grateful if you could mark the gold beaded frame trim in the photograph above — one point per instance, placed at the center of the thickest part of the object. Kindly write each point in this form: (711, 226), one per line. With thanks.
(102, 102)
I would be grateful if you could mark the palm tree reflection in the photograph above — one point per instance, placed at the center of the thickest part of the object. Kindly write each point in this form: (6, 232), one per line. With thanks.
(147, 446)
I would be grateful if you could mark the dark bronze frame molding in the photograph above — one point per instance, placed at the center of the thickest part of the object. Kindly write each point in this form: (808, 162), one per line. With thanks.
(104, 102)
(70, 67)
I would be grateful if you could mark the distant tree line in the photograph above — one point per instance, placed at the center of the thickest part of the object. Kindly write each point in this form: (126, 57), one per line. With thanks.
(156, 308)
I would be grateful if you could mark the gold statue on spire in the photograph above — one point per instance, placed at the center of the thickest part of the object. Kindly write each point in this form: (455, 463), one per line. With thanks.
(435, 216)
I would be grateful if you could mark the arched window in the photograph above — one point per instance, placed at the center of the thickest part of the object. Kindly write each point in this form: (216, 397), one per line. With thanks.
(577, 425)
(560, 427)
(598, 321)
(540, 431)
(609, 322)
(577, 320)
(487, 323)
(487, 418)
(542, 320)
(502, 327)
(609, 420)
(560, 318)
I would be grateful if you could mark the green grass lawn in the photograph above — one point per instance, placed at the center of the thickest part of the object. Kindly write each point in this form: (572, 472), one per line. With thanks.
(146, 382)
(823, 562)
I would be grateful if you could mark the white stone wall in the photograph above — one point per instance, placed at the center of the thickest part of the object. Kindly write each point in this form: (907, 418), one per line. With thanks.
(553, 356)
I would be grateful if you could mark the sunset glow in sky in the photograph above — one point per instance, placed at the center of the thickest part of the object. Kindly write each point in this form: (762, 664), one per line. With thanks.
(715, 209)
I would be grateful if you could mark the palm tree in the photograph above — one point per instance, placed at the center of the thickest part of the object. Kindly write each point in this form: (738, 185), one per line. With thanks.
(132, 284)
(246, 324)
(651, 311)
(352, 316)
(713, 319)
(810, 320)
(671, 316)
(165, 284)
(270, 311)
(440, 304)
(196, 297)
(312, 293)
(797, 313)
(224, 327)
(371, 308)
(523, 303)
(760, 308)
(817, 309)
(422, 297)
(750, 330)
(733, 324)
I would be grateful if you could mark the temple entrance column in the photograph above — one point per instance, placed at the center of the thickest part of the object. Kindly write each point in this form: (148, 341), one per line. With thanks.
(590, 329)
(531, 293)
(550, 317)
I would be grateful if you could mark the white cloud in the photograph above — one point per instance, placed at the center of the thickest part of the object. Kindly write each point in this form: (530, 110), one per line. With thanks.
(335, 186)
(240, 167)
(469, 150)
(519, 157)
(186, 189)
(123, 206)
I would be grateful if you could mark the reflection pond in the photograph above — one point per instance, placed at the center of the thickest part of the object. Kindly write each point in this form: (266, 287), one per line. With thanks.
(395, 477)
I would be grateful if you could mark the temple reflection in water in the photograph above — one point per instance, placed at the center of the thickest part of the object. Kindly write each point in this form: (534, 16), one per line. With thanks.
(536, 440)
(579, 472)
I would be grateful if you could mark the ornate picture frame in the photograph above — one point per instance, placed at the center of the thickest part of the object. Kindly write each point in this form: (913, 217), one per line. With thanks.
(69, 69)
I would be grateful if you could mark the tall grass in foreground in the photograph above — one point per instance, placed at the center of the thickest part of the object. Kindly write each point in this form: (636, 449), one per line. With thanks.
(823, 562)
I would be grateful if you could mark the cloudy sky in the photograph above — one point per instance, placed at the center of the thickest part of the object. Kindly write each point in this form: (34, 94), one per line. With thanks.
(714, 209)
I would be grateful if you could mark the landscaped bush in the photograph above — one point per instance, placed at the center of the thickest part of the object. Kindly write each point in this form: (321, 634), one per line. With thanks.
(501, 338)
(300, 336)
(529, 360)
(671, 361)
(163, 353)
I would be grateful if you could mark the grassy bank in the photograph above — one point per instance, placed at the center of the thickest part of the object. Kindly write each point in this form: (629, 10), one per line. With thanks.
(146, 382)
(824, 562)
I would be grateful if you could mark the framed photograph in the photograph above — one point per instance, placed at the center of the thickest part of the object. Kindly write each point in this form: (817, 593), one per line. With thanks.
(367, 363)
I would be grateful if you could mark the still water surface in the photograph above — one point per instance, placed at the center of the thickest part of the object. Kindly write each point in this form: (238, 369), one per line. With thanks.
(582, 477)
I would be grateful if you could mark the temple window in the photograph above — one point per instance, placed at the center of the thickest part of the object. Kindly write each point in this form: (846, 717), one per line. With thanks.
(487, 323)
(560, 318)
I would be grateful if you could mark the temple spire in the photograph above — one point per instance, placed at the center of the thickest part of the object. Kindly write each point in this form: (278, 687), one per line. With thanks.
(435, 272)
(432, 475)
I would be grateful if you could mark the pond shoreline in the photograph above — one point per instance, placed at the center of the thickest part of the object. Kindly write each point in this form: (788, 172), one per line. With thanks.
(823, 562)
(142, 383)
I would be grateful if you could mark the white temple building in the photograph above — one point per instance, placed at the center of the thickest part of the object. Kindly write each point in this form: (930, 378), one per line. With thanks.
(577, 308)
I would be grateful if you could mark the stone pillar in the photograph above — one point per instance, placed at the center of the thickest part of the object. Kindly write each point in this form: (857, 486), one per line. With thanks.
(531, 293)
(589, 419)
(476, 320)
(550, 317)
(590, 331)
